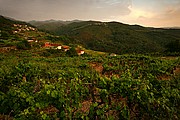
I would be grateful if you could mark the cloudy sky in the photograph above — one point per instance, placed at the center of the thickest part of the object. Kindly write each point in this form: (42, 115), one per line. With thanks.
(156, 13)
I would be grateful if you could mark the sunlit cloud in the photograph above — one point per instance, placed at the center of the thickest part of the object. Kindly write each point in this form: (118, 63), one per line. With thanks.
(162, 14)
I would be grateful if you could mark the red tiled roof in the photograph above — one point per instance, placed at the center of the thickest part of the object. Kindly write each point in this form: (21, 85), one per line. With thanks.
(47, 44)
(65, 47)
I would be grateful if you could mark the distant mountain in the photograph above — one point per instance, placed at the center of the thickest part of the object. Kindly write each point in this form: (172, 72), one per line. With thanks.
(171, 27)
(51, 25)
(117, 37)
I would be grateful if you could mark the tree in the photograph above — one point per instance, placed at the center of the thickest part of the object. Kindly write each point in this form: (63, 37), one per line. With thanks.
(72, 52)
(173, 46)
(23, 45)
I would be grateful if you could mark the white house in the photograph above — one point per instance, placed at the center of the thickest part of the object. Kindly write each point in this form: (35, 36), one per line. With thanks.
(59, 47)
(80, 52)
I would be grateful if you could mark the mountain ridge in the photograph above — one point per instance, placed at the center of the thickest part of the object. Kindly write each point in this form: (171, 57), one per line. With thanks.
(118, 37)
(111, 37)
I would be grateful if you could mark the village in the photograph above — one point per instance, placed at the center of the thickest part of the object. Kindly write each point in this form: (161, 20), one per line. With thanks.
(21, 28)
(46, 45)
(36, 39)
(49, 45)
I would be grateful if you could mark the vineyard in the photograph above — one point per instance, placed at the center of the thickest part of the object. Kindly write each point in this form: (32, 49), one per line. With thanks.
(89, 87)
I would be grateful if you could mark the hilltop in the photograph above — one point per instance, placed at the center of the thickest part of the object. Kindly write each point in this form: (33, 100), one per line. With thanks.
(50, 25)
(117, 37)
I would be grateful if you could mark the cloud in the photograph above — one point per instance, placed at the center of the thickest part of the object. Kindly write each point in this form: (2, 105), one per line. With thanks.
(158, 13)
(144, 12)
(170, 17)
(64, 9)
(167, 15)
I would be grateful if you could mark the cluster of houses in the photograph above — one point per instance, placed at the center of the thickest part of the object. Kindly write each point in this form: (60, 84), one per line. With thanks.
(46, 45)
(22, 28)
(63, 47)
(104, 24)
(19, 29)
(31, 39)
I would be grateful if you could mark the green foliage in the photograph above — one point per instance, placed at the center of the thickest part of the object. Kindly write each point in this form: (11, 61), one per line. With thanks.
(71, 52)
(24, 45)
(173, 46)
(69, 87)
(53, 53)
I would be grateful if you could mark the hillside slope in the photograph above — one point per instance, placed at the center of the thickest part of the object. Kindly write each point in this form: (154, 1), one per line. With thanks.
(119, 38)
(14, 32)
